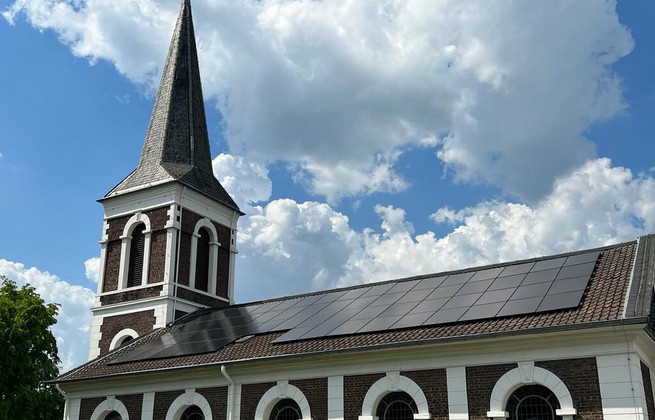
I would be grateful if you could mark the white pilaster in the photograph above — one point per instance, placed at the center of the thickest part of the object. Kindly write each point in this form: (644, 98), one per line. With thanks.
(335, 397)
(621, 387)
(72, 409)
(457, 398)
(148, 407)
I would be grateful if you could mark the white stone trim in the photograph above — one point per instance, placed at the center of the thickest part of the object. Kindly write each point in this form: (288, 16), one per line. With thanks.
(72, 409)
(527, 373)
(148, 406)
(213, 254)
(107, 406)
(122, 335)
(457, 396)
(184, 401)
(279, 392)
(335, 397)
(393, 382)
(621, 387)
(126, 238)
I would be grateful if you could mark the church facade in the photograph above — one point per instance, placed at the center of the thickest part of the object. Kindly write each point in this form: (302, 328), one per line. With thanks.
(565, 337)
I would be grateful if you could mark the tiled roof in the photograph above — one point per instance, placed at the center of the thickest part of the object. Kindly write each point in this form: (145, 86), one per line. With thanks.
(603, 301)
(176, 147)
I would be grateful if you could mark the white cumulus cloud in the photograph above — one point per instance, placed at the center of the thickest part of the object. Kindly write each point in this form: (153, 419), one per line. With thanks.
(74, 319)
(296, 247)
(341, 89)
(91, 269)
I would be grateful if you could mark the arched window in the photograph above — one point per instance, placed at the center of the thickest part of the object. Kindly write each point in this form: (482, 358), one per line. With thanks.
(137, 253)
(202, 260)
(533, 402)
(192, 413)
(113, 416)
(396, 406)
(286, 409)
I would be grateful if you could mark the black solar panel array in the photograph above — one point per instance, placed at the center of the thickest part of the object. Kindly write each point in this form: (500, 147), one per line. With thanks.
(544, 285)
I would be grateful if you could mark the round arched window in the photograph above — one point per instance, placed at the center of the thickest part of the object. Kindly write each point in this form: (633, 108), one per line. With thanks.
(286, 409)
(193, 413)
(396, 406)
(533, 402)
(113, 416)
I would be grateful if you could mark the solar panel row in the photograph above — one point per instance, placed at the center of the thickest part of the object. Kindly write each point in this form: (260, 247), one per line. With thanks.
(545, 285)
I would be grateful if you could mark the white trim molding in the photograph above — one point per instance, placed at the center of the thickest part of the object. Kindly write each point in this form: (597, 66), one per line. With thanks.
(107, 406)
(126, 239)
(122, 335)
(526, 374)
(213, 254)
(394, 382)
(281, 391)
(186, 400)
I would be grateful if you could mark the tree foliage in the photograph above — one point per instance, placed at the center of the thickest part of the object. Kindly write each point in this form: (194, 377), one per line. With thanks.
(28, 355)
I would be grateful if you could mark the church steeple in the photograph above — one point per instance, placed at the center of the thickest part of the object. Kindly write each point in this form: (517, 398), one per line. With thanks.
(176, 147)
(168, 243)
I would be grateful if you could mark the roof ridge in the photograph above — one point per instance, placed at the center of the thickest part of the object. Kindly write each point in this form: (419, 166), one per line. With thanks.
(427, 275)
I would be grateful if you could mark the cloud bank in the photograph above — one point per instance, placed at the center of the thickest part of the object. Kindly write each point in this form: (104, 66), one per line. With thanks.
(502, 95)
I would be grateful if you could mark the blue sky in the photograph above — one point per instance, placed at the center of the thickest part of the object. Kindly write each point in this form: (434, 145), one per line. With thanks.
(364, 141)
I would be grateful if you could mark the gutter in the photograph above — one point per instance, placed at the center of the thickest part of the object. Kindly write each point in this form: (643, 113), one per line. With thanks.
(232, 406)
(497, 334)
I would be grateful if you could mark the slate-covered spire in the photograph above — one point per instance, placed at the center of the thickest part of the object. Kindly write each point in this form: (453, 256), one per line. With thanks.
(176, 147)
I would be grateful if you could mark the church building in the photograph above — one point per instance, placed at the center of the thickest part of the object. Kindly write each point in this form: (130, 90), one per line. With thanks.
(559, 337)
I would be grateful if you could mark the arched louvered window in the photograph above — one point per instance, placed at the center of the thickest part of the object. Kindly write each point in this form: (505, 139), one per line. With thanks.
(286, 409)
(396, 406)
(137, 252)
(202, 260)
(193, 413)
(533, 402)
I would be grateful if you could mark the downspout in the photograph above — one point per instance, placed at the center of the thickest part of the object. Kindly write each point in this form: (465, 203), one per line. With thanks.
(232, 405)
(63, 394)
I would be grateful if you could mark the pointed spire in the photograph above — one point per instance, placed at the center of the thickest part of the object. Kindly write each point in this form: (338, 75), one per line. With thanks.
(176, 147)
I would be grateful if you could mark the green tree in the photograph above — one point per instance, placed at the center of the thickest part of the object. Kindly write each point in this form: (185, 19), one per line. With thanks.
(28, 355)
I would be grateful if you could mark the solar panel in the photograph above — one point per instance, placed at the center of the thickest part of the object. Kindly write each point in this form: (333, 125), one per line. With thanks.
(545, 285)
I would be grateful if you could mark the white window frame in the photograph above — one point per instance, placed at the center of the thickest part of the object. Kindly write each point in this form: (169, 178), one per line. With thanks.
(394, 382)
(528, 374)
(122, 335)
(213, 255)
(186, 400)
(126, 240)
(282, 391)
(107, 406)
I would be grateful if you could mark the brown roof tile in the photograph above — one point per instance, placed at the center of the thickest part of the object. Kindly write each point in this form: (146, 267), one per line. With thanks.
(603, 301)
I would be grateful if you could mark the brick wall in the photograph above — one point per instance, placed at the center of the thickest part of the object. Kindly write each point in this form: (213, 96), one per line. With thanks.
(129, 295)
(141, 322)
(581, 378)
(158, 218)
(217, 398)
(315, 391)
(112, 266)
(480, 381)
(435, 387)
(87, 406)
(163, 401)
(133, 403)
(200, 298)
(250, 396)
(354, 391)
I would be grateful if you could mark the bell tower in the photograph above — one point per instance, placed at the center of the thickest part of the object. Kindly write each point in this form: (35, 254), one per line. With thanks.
(169, 229)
